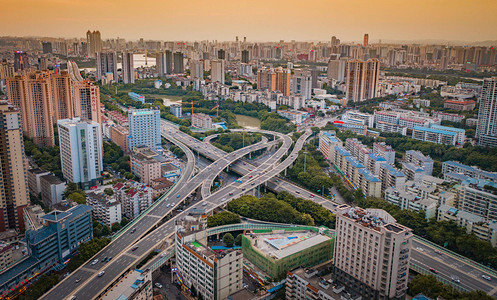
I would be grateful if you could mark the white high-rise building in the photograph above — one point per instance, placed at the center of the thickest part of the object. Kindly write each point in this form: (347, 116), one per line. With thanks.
(372, 253)
(217, 71)
(144, 128)
(128, 68)
(302, 84)
(486, 131)
(81, 151)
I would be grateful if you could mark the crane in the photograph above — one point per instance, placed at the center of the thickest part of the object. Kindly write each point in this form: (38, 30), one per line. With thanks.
(217, 110)
(191, 104)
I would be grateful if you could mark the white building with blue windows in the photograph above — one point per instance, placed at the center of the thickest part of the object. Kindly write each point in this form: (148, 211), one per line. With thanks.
(144, 128)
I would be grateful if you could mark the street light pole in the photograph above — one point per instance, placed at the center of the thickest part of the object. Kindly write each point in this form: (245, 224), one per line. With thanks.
(305, 159)
(243, 138)
(259, 187)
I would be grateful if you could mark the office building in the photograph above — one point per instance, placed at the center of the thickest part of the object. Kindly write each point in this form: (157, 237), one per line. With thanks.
(47, 47)
(93, 42)
(362, 80)
(128, 68)
(175, 109)
(164, 63)
(366, 40)
(278, 251)
(21, 61)
(107, 63)
(217, 71)
(6, 257)
(371, 253)
(221, 54)
(302, 84)
(434, 135)
(454, 167)
(486, 130)
(137, 285)
(214, 275)
(52, 189)
(105, 209)
(418, 159)
(50, 246)
(391, 127)
(197, 69)
(461, 105)
(384, 151)
(178, 66)
(336, 69)
(81, 151)
(305, 283)
(32, 94)
(86, 100)
(144, 128)
(145, 165)
(201, 121)
(13, 179)
(245, 57)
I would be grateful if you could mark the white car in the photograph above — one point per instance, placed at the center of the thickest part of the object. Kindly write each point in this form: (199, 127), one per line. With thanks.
(94, 262)
(158, 285)
(486, 277)
(101, 274)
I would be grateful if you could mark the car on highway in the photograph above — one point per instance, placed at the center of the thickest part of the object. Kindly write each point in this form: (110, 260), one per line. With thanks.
(73, 297)
(133, 230)
(168, 205)
(158, 285)
(455, 279)
(252, 183)
(101, 274)
(486, 277)
(178, 196)
(94, 262)
(298, 192)
(433, 271)
(231, 194)
(108, 258)
(204, 204)
(251, 176)
(311, 195)
(77, 280)
(243, 189)
(134, 248)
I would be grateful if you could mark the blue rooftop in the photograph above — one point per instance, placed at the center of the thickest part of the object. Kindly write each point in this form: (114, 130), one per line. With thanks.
(376, 157)
(413, 167)
(393, 170)
(354, 162)
(369, 176)
(446, 128)
(342, 151)
(37, 236)
(17, 269)
(434, 130)
(56, 216)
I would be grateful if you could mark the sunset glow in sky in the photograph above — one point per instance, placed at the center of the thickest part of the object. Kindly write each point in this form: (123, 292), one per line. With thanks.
(258, 20)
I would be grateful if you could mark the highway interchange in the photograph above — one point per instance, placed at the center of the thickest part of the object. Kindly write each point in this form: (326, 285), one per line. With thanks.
(90, 286)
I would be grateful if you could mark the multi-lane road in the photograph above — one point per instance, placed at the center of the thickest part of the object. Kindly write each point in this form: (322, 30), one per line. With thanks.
(89, 285)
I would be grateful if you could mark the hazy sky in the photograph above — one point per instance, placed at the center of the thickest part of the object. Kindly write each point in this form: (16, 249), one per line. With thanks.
(258, 20)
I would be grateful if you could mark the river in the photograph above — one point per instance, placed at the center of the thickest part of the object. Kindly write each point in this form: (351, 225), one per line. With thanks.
(248, 122)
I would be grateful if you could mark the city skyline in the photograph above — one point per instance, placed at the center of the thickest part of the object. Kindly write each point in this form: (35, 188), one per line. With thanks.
(288, 20)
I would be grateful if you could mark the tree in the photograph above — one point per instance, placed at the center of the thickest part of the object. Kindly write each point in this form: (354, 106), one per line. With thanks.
(77, 197)
(238, 240)
(124, 221)
(109, 191)
(307, 220)
(228, 240)
(116, 227)
(222, 218)
(106, 230)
